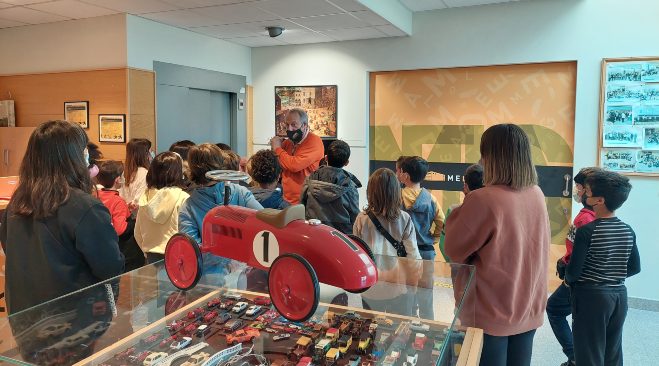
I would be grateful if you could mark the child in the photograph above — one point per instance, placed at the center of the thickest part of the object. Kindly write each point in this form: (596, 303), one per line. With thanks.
(206, 195)
(604, 254)
(424, 211)
(110, 177)
(473, 180)
(330, 193)
(384, 206)
(157, 215)
(138, 159)
(558, 304)
(265, 171)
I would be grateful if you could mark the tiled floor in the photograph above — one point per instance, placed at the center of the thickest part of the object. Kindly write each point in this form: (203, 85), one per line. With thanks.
(640, 341)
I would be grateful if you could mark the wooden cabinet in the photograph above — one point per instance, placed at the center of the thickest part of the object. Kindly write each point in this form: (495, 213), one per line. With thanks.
(13, 143)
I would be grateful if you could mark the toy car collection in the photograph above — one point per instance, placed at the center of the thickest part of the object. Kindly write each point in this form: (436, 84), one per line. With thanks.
(355, 339)
(281, 242)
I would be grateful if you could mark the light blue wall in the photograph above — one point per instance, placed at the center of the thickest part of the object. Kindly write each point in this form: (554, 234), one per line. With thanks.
(520, 32)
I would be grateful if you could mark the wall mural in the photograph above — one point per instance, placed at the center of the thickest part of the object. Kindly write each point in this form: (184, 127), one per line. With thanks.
(440, 115)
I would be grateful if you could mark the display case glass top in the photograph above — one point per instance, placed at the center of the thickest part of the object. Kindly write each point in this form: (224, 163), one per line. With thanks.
(418, 313)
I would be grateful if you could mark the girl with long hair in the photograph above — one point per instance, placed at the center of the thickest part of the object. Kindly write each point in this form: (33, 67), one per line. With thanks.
(138, 160)
(57, 237)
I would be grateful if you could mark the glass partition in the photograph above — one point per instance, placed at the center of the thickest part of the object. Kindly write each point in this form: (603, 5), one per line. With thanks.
(416, 314)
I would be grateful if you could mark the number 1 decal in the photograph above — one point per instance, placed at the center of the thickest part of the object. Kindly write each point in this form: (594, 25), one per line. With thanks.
(265, 247)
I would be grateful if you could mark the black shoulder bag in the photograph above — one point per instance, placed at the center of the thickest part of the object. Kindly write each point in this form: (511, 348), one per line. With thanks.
(400, 248)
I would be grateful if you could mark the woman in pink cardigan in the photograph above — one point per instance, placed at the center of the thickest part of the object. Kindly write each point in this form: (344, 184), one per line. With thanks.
(503, 230)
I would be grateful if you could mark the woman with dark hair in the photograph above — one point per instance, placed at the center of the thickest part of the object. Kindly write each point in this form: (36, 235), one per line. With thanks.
(57, 237)
(157, 215)
(138, 159)
(503, 230)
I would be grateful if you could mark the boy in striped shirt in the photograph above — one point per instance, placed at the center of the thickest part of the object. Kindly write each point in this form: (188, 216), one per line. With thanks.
(604, 254)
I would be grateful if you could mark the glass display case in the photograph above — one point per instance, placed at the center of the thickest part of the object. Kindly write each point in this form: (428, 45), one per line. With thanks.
(418, 313)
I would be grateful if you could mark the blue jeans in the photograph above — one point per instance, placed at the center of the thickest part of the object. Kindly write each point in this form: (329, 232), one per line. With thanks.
(512, 350)
(423, 296)
(558, 308)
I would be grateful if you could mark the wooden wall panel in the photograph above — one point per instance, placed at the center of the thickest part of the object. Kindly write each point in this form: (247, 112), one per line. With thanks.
(41, 97)
(142, 105)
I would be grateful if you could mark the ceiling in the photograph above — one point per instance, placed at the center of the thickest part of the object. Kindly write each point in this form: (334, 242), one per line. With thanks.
(238, 21)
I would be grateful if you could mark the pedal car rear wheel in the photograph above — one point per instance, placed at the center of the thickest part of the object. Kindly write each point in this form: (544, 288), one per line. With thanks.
(368, 251)
(293, 286)
(183, 261)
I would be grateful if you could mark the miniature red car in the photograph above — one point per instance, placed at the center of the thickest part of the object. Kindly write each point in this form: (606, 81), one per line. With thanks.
(124, 355)
(262, 300)
(167, 341)
(152, 339)
(175, 326)
(195, 313)
(419, 341)
(282, 242)
(227, 305)
(210, 316)
(214, 303)
(304, 361)
(190, 328)
(242, 335)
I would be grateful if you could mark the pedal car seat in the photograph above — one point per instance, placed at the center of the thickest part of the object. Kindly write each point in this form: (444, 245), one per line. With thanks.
(281, 218)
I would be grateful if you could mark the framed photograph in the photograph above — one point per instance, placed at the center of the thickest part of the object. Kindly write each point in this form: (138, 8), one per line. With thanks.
(648, 162)
(619, 160)
(651, 138)
(318, 100)
(112, 127)
(629, 116)
(623, 136)
(77, 112)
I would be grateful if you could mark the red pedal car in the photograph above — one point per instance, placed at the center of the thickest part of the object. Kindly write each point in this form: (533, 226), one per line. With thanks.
(298, 253)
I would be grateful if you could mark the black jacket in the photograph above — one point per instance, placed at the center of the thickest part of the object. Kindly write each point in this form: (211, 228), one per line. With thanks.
(75, 248)
(330, 195)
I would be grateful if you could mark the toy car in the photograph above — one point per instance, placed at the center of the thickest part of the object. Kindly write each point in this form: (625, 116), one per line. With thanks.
(270, 330)
(281, 337)
(253, 310)
(184, 342)
(304, 361)
(239, 307)
(196, 313)
(418, 326)
(167, 341)
(210, 316)
(197, 359)
(190, 328)
(124, 355)
(154, 338)
(301, 347)
(283, 243)
(139, 358)
(202, 330)
(419, 341)
(242, 335)
(233, 296)
(233, 324)
(175, 326)
(262, 300)
(154, 358)
(226, 305)
(214, 303)
(354, 360)
(222, 318)
(364, 342)
(411, 359)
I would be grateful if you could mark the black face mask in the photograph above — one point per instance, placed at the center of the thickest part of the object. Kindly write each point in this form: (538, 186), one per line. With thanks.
(295, 136)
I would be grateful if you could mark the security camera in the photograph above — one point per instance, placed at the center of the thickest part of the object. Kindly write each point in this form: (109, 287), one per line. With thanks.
(274, 31)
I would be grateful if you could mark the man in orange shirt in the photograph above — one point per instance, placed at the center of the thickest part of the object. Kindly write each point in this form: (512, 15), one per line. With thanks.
(299, 155)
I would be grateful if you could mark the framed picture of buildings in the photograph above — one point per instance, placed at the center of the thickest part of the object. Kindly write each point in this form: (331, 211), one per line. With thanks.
(629, 116)
(77, 112)
(319, 101)
(112, 127)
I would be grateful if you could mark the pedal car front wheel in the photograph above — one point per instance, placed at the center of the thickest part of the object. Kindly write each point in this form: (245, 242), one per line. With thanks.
(293, 287)
(183, 261)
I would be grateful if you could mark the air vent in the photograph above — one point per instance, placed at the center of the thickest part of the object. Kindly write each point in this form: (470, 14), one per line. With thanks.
(231, 215)
(229, 231)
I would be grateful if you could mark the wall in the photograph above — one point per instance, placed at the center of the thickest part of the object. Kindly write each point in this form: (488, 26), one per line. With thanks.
(520, 32)
(149, 41)
(86, 44)
(41, 97)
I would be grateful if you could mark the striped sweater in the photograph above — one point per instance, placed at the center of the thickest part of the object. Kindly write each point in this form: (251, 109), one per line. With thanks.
(605, 253)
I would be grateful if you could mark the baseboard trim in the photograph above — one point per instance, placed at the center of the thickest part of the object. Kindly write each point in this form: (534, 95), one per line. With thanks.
(643, 304)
